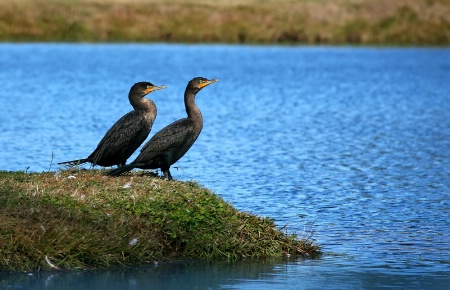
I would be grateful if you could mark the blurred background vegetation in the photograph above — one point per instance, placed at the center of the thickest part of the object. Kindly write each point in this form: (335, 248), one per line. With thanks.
(366, 22)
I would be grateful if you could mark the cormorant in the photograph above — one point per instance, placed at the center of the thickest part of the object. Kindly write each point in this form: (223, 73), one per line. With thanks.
(128, 133)
(170, 144)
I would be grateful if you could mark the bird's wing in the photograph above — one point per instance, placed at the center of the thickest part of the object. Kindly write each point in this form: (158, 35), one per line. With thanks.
(130, 128)
(171, 136)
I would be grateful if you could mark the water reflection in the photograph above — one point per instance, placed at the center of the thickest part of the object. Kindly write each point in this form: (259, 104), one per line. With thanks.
(175, 275)
(268, 274)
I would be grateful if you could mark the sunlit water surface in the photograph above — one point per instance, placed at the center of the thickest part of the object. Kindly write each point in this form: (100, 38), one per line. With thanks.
(352, 144)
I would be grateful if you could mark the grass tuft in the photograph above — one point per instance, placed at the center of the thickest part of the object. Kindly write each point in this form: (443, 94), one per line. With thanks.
(83, 219)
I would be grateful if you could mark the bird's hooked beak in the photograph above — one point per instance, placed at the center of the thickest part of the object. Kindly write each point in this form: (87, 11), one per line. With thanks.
(154, 88)
(204, 84)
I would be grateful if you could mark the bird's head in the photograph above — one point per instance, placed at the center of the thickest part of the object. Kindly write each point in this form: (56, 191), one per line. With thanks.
(199, 83)
(143, 88)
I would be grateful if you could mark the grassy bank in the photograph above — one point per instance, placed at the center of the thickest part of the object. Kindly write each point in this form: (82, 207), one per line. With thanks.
(82, 219)
(399, 22)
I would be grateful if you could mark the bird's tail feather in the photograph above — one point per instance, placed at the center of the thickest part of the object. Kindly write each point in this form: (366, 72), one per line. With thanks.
(75, 162)
(120, 170)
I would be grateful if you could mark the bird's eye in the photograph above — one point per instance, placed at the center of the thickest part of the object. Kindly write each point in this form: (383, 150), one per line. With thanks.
(149, 86)
(200, 81)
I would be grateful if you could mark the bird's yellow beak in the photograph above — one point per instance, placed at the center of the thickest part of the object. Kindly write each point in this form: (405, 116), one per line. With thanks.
(154, 88)
(202, 85)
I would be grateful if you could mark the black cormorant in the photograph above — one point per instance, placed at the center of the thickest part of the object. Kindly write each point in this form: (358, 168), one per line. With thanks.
(170, 144)
(128, 133)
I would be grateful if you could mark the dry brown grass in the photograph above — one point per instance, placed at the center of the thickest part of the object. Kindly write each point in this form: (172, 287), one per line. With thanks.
(237, 21)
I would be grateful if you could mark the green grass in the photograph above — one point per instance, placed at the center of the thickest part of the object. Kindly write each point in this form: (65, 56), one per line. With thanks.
(375, 22)
(83, 219)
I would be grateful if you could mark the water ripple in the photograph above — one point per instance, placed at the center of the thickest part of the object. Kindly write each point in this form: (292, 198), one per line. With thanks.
(351, 144)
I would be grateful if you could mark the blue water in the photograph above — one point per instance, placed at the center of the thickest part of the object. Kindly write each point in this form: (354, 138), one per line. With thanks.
(351, 145)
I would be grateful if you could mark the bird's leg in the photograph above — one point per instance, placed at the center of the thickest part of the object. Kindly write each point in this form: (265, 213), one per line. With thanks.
(167, 175)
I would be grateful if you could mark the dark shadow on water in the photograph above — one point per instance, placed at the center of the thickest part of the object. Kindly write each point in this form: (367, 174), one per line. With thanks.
(247, 274)
(165, 275)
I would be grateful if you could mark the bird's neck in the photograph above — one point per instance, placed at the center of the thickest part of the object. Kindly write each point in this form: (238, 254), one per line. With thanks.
(143, 104)
(192, 110)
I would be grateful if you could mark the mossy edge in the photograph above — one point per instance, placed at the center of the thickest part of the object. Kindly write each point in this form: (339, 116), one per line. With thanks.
(81, 219)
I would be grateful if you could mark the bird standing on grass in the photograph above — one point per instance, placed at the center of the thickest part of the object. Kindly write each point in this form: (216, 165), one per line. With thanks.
(128, 133)
(170, 144)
